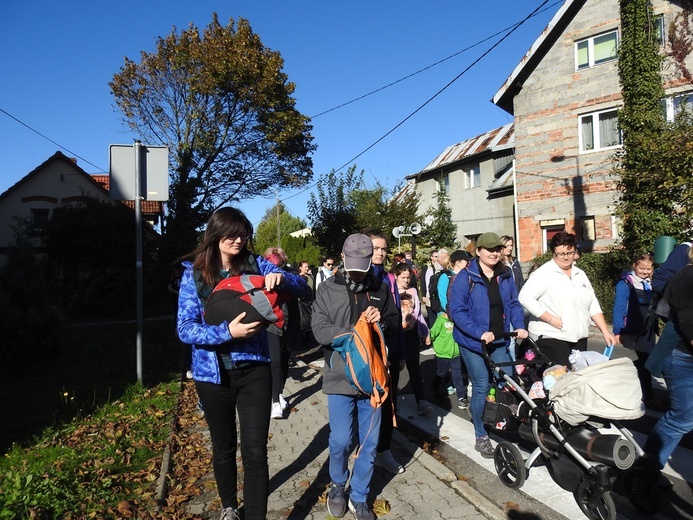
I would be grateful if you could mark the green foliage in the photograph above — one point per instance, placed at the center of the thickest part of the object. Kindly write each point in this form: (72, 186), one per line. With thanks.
(443, 231)
(88, 468)
(90, 260)
(32, 324)
(655, 162)
(332, 213)
(384, 209)
(220, 100)
(266, 231)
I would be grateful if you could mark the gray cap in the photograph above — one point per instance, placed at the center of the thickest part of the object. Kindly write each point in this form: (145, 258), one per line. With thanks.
(357, 251)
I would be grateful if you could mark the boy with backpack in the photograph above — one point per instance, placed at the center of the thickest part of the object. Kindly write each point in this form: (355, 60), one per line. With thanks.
(352, 295)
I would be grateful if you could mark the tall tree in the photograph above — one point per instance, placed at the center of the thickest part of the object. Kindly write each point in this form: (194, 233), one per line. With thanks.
(275, 227)
(332, 213)
(220, 101)
(384, 209)
(442, 232)
(656, 159)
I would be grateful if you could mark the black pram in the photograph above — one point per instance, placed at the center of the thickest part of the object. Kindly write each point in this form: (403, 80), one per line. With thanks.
(567, 424)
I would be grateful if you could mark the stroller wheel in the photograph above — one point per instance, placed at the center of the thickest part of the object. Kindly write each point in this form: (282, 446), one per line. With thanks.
(510, 465)
(594, 502)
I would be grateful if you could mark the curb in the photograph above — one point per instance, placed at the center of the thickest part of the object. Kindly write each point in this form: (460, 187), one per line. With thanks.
(162, 482)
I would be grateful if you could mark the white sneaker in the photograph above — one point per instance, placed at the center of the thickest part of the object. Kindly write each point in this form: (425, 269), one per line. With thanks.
(387, 461)
(424, 407)
(277, 412)
(282, 402)
(189, 375)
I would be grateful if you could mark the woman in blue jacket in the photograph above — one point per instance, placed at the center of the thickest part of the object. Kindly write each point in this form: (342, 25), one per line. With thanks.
(231, 361)
(483, 305)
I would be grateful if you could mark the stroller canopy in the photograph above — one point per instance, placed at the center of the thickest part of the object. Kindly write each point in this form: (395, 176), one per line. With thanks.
(609, 390)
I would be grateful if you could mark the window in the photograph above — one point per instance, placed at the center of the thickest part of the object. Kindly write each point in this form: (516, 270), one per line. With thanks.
(472, 178)
(547, 234)
(599, 131)
(596, 50)
(589, 228)
(658, 26)
(39, 218)
(443, 183)
(673, 105)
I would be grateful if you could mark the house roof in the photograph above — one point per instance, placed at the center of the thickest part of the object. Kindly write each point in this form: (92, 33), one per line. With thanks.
(101, 182)
(513, 84)
(57, 156)
(149, 207)
(494, 140)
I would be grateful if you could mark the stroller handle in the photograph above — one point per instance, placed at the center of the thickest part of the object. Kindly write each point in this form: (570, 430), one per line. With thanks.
(539, 360)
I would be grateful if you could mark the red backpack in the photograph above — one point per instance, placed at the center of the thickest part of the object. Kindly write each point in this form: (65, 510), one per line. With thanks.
(244, 293)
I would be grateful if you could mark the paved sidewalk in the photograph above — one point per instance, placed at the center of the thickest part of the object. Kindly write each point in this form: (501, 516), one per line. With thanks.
(299, 473)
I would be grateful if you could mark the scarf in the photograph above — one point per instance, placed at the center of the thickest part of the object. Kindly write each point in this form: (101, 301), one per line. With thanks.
(356, 287)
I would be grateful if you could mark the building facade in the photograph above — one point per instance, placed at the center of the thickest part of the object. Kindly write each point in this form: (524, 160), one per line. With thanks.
(565, 96)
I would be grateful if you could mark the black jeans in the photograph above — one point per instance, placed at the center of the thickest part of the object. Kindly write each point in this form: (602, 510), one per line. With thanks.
(558, 350)
(387, 419)
(247, 390)
(279, 354)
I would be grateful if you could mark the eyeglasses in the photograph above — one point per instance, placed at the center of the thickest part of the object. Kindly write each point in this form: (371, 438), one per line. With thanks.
(236, 237)
(567, 254)
(329, 264)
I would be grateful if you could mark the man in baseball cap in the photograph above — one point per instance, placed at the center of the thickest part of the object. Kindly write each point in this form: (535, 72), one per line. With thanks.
(356, 253)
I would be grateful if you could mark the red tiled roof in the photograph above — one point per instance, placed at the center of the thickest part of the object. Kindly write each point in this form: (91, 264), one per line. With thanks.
(149, 207)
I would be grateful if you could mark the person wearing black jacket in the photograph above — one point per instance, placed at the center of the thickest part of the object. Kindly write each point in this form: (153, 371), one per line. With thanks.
(677, 369)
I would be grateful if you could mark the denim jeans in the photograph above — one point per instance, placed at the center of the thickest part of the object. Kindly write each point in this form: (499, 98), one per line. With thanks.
(457, 371)
(678, 420)
(247, 390)
(480, 377)
(341, 411)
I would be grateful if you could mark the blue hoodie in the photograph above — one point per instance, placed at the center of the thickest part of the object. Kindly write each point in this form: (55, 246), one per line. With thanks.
(209, 340)
(469, 306)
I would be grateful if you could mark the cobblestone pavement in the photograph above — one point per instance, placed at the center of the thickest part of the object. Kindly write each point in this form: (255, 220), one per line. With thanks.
(299, 474)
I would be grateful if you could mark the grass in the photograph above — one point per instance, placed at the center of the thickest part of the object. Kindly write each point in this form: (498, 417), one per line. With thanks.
(83, 439)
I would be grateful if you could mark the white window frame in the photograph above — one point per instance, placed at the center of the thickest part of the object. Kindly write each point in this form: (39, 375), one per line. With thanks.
(596, 137)
(671, 104)
(590, 50)
(472, 177)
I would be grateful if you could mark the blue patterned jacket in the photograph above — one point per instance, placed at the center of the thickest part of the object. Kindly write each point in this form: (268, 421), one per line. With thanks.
(208, 341)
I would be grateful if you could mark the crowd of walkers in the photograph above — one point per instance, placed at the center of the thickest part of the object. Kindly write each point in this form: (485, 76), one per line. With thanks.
(453, 304)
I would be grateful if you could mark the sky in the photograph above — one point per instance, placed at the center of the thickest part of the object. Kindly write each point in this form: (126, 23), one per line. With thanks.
(428, 64)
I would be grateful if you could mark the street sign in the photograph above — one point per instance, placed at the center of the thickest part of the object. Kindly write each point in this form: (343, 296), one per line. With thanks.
(154, 172)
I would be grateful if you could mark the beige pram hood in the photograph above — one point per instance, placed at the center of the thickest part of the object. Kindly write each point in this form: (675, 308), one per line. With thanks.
(609, 390)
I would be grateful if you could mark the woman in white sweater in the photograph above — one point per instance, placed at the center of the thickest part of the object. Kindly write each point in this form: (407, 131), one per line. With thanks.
(561, 301)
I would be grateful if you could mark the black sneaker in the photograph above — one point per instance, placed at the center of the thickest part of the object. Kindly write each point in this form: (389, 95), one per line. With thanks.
(484, 447)
(337, 501)
(361, 510)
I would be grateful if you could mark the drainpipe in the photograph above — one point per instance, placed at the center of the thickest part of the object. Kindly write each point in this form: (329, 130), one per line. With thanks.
(516, 217)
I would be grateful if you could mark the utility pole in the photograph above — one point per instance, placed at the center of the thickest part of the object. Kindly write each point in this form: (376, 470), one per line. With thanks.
(279, 233)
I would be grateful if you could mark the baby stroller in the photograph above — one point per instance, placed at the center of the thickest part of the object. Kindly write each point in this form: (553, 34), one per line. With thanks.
(565, 425)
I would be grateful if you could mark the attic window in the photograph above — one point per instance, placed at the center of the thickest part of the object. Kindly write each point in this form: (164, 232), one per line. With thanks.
(595, 50)
(39, 219)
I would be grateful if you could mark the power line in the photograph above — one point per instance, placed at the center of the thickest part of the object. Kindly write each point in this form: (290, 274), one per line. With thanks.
(359, 98)
(482, 56)
(51, 140)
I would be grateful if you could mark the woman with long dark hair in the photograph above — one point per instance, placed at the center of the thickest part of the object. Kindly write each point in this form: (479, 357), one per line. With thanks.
(231, 361)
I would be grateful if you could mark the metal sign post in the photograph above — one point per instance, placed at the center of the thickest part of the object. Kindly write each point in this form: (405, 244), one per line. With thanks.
(150, 168)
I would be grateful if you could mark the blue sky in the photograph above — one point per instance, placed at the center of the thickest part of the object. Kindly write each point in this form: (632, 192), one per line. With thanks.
(58, 58)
